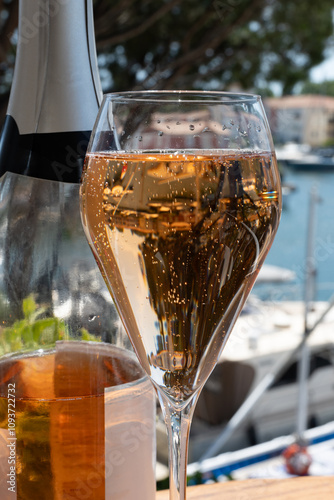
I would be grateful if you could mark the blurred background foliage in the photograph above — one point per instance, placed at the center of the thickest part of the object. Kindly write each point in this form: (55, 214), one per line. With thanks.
(206, 44)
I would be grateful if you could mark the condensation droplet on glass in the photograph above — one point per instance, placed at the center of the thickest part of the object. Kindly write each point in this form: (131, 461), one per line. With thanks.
(178, 123)
(91, 317)
(258, 128)
(160, 133)
(205, 129)
(232, 122)
(158, 121)
(224, 127)
(140, 138)
(191, 127)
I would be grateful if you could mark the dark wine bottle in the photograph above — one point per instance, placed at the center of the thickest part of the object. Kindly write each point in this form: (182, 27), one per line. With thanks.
(54, 304)
(54, 100)
(55, 93)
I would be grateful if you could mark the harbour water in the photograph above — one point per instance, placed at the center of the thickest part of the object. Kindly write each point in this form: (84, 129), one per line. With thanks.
(290, 246)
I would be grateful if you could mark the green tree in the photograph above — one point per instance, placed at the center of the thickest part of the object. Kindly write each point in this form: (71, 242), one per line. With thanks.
(210, 43)
(206, 44)
(323, 88)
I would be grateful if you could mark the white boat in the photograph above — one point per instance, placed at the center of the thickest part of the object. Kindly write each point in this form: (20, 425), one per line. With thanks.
(275, 274)
(260, 345)
(302, 157)
(311, 162)
(266, 460)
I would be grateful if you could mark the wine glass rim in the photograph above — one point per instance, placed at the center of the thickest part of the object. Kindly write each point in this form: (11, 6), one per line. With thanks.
(184, 96)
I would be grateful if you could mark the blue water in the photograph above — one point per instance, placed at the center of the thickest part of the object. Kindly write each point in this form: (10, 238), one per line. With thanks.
(290, 246)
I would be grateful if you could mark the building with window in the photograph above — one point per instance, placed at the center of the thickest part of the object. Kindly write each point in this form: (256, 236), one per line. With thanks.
(304, 119)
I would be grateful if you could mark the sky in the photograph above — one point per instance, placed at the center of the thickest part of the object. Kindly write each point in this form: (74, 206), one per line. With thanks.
(325, 70)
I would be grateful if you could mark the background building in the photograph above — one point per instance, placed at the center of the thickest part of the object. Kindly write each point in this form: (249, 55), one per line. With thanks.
(304, 119)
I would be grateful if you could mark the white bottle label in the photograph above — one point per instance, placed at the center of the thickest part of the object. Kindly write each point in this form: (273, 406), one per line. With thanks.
(57, 50)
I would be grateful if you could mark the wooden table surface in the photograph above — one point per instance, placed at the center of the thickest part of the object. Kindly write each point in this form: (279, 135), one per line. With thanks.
(301, 488)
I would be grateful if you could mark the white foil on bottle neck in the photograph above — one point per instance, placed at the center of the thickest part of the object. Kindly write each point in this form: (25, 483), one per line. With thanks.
(56, 86)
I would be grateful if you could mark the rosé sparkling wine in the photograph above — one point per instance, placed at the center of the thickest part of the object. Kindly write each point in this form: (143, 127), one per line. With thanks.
(182, 237)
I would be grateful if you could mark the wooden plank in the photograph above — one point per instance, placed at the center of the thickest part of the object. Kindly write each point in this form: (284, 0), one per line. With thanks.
(306, 488)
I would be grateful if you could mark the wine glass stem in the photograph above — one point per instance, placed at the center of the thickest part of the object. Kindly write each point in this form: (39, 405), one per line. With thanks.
(178, 426)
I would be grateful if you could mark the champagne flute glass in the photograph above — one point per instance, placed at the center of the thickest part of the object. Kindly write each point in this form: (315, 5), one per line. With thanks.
(180, 202)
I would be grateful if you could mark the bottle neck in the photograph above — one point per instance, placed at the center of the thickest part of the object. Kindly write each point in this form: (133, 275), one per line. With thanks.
(56, 86)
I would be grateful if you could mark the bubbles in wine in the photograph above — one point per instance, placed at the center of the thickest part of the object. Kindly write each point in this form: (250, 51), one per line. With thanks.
(190, 233)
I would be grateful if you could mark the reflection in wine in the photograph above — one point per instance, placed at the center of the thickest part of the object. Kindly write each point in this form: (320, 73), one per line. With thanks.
(180, 238)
